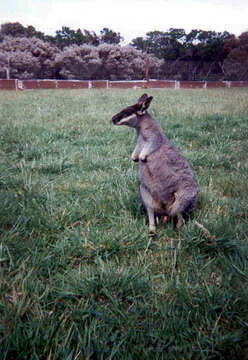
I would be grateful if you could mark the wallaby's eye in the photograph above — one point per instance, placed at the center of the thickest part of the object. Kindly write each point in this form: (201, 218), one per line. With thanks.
(140, 112)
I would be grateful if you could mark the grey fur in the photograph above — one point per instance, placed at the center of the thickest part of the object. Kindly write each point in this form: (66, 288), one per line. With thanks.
(167, 183)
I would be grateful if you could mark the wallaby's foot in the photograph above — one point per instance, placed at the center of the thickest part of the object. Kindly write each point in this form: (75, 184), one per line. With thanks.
(152, 220)
(178, 222)
(152, 230)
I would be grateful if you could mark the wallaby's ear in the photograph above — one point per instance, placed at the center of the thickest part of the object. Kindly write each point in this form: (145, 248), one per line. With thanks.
(144, 103)
(142, 98)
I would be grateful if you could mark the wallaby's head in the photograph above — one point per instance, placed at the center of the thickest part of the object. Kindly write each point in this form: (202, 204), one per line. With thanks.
(132, 115)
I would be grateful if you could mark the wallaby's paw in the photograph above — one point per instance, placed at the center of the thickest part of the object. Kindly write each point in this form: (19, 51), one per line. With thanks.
(143, 158)
(143, 155)
(135, 156)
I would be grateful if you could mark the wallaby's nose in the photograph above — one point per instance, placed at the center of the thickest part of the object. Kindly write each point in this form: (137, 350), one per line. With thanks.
(115, 119)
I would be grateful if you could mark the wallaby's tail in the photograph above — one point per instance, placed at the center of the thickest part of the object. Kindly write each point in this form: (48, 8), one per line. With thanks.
(184, 203)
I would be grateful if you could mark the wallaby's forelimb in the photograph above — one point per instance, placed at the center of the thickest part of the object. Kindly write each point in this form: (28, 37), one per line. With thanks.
(151, 218)
(135, 154)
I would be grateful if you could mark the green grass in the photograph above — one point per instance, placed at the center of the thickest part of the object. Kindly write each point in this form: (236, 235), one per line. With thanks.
(80, 278)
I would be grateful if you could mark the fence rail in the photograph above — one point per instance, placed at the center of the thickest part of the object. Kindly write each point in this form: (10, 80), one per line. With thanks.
(16, 84)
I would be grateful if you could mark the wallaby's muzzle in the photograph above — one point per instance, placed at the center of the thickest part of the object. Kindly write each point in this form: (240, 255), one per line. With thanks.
(124, 114)
(130, 112)
(116, 118)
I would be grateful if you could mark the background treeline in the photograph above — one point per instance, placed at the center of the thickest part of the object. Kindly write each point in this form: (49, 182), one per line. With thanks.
(26, 53)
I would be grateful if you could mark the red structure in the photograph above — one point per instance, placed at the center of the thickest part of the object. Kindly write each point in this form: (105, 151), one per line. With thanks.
(16, 84)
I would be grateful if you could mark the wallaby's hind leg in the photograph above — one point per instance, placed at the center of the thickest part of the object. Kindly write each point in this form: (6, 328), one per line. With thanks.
(178, 221)
(151, 218)
(149, 205)
(177, 217)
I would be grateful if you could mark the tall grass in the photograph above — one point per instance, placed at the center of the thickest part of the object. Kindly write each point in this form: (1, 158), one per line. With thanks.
(80, 278)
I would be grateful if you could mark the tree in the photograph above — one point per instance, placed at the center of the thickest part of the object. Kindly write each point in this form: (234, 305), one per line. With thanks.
(78, 62)
(196, 55)
(27, 58)
(174, 54)
(206, 50)
(125, 63)
(13, 29)
(91, 38)
(66, 37)
(4, 65)
(236, 63)
(164, 45)
(207, 45)
(110, 37)
(18, 30)
(106, 61)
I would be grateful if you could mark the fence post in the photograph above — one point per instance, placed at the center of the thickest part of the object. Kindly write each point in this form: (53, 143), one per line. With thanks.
(177, 84)
(18, 85)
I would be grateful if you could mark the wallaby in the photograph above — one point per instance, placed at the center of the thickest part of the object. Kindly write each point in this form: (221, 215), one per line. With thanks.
(167, 183)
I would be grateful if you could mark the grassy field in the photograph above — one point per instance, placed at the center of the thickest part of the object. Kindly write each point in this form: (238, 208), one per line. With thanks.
(80, 278)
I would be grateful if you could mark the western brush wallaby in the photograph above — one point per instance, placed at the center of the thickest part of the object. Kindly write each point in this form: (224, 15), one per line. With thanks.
(167, 183)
